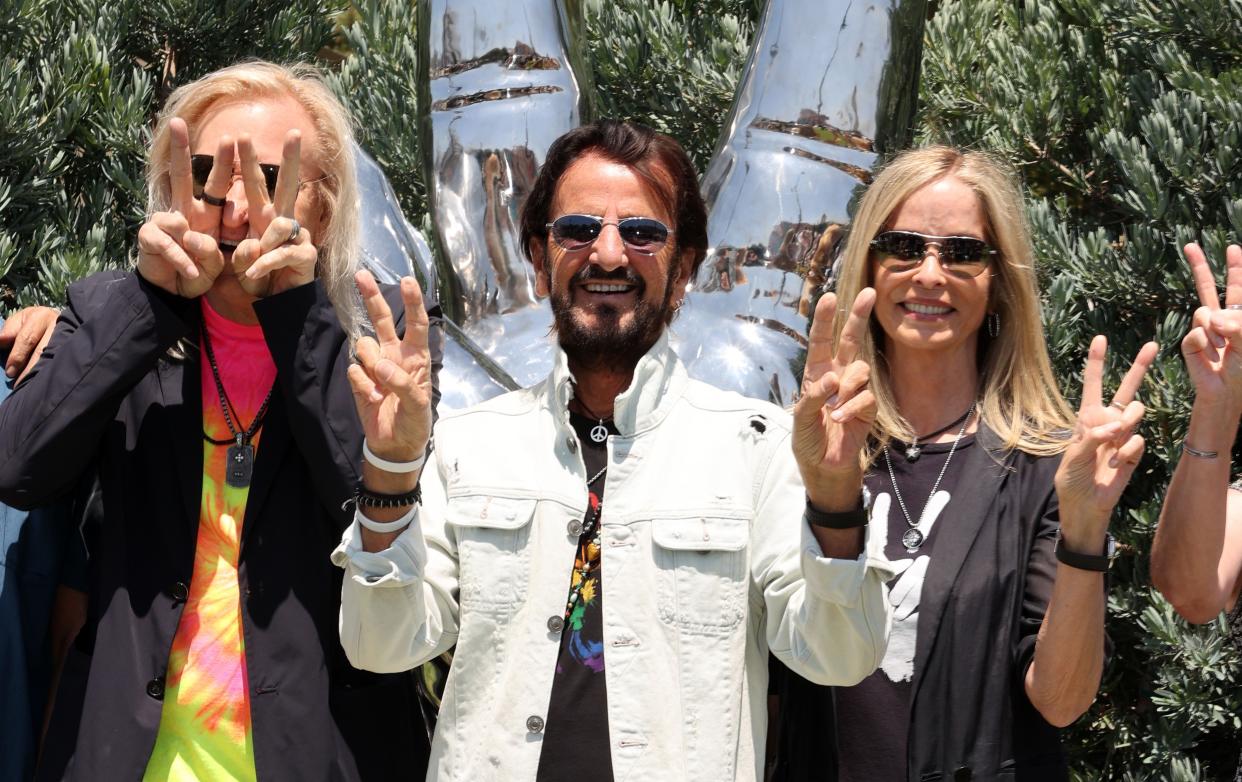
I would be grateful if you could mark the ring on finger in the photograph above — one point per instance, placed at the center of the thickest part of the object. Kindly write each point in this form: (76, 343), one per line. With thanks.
(1118, 405)
(294, 231)
(208, 198)
(1233, 306)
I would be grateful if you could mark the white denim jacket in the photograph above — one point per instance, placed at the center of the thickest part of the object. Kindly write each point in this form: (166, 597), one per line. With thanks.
(708, 563)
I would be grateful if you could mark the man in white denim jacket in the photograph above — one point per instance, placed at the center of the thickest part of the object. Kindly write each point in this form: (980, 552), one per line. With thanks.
(722, 528)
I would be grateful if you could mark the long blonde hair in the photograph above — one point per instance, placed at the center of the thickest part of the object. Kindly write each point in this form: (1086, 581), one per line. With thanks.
(338, 191)
(1020, 400)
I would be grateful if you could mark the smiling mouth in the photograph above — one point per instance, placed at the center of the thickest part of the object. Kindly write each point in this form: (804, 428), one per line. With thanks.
(925, 309)
(608, 287)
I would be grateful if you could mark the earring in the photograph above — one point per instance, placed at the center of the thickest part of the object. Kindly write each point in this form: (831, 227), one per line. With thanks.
(994, 324)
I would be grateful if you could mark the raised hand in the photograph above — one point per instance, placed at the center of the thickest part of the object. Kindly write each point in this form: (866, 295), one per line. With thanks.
(834, 413)
(392, 379)
(176, 251)
(277, 254)
(1099, 462)
(1213, 348)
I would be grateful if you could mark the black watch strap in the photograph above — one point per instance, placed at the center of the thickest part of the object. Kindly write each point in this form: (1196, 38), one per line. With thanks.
(1098, 563)
(846, 519)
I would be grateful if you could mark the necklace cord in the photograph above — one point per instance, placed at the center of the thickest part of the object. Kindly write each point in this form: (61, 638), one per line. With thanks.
(901, 503)
(226, 404)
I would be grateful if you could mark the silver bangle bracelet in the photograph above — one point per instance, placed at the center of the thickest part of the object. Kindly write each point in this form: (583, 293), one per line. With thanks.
(1197, 453)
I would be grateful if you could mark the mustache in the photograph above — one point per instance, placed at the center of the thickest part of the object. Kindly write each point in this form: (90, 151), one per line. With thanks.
(592, 273)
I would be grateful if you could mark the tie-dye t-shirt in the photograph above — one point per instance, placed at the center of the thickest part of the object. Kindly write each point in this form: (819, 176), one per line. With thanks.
(205, 731)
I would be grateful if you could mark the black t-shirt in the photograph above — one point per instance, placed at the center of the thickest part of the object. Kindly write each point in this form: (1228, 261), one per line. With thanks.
(575, 740)
(872, 717)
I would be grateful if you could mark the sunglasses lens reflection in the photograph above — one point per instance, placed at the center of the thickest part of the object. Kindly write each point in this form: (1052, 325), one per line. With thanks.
(904, 250)
(200, 171)
(573, 232)
(640, 234)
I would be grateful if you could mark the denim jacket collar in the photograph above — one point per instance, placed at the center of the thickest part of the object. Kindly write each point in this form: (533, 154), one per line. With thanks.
(659, 380)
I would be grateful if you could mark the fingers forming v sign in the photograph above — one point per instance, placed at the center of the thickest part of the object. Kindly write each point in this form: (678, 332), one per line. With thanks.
(392, 379)
(835, 411)
(175, 248)
(277, 254)
(1105, 449)
(1213, 347)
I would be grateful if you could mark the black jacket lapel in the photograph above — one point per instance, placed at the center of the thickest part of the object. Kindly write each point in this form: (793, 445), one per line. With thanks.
(183, 398)
(970, 507)
(273, 442)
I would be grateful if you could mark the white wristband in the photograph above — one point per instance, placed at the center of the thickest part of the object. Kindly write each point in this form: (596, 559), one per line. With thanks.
(387, 466)
(385, 527)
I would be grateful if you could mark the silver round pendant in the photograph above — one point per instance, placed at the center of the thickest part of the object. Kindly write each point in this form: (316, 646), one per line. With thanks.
(912, 538)
(599, 433)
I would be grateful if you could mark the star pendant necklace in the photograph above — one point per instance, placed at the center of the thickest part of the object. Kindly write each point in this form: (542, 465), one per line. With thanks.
(913, 450)
(913, 537)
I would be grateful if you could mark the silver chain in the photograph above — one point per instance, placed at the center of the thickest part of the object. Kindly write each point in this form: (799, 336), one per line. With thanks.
(910, 523)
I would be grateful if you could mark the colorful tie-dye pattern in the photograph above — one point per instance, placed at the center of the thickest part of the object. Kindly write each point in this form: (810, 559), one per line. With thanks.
(588, 652)
(205, 731)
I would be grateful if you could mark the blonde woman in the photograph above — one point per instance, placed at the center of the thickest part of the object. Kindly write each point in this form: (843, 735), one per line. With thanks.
(990, 499)
(207, 387)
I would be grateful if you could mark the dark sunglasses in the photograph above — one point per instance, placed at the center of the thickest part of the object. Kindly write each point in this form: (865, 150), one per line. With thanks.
(200, 169)
(901, 251)
(644, 235)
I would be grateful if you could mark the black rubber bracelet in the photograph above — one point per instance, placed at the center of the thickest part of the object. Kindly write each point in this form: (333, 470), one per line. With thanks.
(846, 519)
(1092, 562)
(365, 498)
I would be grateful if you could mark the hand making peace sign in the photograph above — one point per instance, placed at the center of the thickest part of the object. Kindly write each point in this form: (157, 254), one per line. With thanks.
(179, 249)
(835, 411)
(392, 379)
(1213, 348)
(1099, 462)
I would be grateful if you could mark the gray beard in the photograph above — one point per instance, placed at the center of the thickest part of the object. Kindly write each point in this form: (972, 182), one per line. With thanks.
(608, 344)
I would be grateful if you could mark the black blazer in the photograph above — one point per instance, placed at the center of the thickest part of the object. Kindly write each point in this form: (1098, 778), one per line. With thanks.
(107, 396)
(983, 600)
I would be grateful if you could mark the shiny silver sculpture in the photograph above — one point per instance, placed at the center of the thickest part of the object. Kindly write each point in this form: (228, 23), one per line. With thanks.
(828, 85)
(811, 115)
(391, 248)
(502, 80)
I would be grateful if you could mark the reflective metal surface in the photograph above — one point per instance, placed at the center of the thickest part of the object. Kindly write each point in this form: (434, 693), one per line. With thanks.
(811, 114)
(501, 80)
(391, 248)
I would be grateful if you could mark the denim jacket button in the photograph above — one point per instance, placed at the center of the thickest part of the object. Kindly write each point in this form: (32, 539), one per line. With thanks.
(575, 528)
(534, 724)
(555, 624)
(572, 444)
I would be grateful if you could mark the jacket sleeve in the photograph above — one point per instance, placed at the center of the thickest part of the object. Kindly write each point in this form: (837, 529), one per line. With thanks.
(312, 355)
(1041, 566)
(113, 330)
(399, 606)
(827, 619)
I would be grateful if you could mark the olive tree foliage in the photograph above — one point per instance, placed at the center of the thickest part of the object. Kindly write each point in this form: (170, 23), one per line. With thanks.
(1124, 118)
(82, 80)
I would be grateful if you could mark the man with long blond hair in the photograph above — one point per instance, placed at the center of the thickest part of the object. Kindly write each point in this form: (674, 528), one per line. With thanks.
(207, 387)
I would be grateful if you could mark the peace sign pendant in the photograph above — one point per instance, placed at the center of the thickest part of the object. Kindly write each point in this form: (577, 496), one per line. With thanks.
(599, 433)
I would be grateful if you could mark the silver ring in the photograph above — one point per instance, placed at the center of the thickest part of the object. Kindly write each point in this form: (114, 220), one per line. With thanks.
(1233, 306)
(1117, 405)
(297, 229)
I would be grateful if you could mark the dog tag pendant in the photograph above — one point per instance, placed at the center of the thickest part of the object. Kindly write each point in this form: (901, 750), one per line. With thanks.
(599, 432)
(239, 464)
(912, 538)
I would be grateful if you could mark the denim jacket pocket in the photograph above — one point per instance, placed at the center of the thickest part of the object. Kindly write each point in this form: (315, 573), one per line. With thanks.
(701, 572)
(493, 555)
